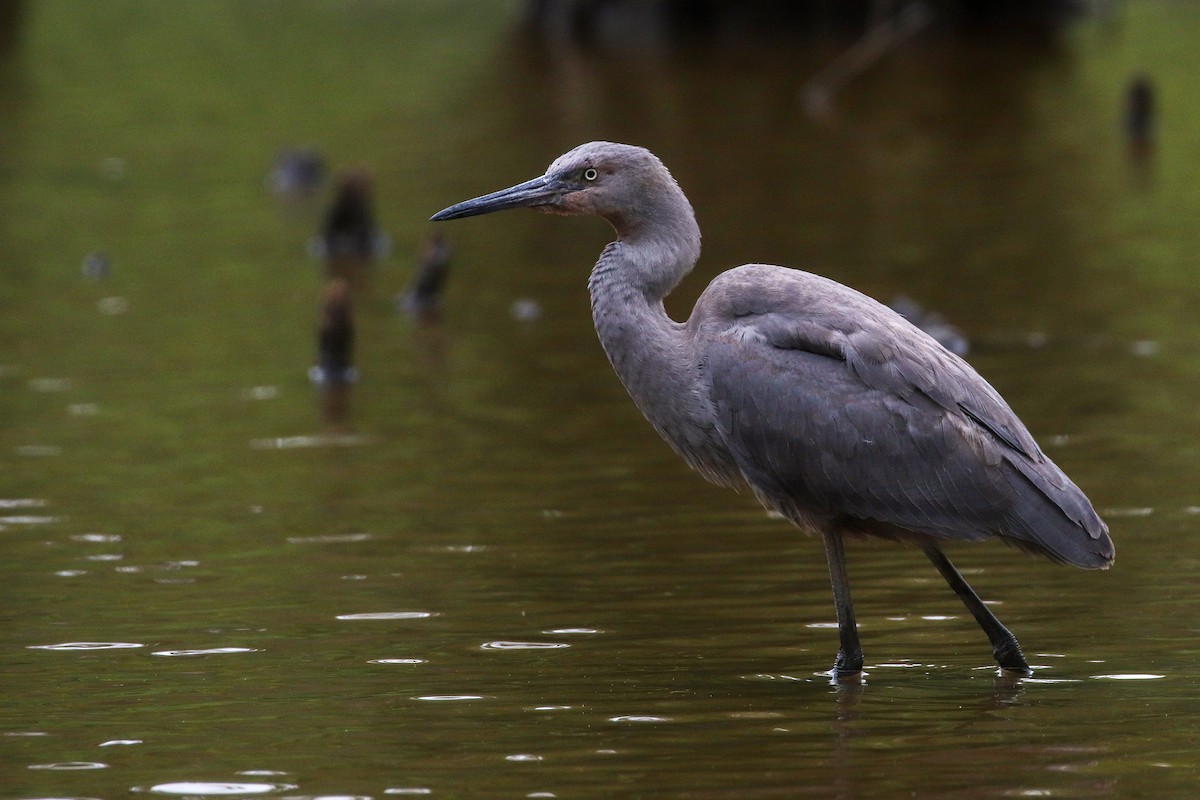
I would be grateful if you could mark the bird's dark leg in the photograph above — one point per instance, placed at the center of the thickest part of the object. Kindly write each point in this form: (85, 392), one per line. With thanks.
(849, 658)
(1005, 647)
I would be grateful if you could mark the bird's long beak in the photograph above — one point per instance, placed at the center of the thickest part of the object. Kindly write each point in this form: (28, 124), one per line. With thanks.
(540, 191)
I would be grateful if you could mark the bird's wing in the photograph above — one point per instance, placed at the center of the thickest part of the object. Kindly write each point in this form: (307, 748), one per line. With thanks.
(862, 415)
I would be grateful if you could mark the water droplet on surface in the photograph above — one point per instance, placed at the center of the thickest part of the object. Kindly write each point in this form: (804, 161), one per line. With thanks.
(86, 646)
(387, 615)
(523, 645)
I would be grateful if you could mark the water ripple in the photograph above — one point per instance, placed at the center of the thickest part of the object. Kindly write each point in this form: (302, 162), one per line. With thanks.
(86, 646)
(388, 615)
(49, 385)
(38, 450)
(638, 718)
(523, 645)
(27, 519)
(451, 698)
(71, 765)
(330, 538)
(22, 502)
(1129, 676)
(206, 788)
(206, 652)
(98, 538)
(319, 440)
(396, 661)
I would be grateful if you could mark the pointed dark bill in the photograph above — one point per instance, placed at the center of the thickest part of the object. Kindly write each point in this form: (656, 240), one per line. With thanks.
(537, 192)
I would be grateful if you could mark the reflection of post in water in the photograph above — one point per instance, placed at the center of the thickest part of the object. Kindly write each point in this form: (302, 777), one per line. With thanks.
(349, 240)
(1140, 117)
(12, 18)
(334, 372)
(423, 297)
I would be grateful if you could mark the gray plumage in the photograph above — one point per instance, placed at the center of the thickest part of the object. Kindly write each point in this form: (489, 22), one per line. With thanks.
(837, 412)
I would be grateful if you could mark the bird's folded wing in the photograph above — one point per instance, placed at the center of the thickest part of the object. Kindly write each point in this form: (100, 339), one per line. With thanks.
(883, 425)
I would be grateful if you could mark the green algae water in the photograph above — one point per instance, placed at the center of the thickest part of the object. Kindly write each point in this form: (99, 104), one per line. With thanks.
(492, 579)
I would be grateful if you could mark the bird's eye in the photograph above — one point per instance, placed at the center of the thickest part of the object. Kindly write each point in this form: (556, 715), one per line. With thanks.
(590, 174)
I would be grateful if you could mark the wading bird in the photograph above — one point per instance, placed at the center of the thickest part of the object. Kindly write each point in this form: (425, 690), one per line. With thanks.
(834, 410)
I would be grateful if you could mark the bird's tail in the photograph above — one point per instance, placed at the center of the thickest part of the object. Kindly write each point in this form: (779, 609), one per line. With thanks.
(1053, 516)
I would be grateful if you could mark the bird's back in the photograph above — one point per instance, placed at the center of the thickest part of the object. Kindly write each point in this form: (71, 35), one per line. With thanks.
(840, 412)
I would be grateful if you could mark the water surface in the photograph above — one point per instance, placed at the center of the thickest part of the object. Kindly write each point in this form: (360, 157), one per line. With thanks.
(494, 580)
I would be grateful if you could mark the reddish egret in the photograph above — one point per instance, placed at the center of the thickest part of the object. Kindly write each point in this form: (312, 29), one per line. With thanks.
(835, 411)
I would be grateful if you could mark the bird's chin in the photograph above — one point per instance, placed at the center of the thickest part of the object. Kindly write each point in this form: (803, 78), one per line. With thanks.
(555, 209)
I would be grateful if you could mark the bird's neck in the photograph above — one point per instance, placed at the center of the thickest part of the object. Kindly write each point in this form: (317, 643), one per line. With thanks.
(627, 288)
(652, 354)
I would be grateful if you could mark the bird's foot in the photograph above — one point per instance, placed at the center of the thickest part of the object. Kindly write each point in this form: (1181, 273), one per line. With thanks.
(1011, 659)
(847, 668)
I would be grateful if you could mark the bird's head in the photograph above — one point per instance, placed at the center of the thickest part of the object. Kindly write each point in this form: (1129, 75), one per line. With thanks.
(618, 182)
